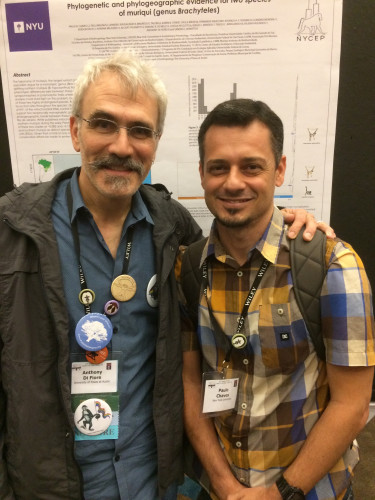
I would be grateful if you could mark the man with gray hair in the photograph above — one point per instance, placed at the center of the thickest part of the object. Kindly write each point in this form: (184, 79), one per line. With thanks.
(92, 242)
(89, 319)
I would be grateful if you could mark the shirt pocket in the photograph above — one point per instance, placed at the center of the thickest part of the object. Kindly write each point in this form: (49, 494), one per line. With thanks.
(283, 342)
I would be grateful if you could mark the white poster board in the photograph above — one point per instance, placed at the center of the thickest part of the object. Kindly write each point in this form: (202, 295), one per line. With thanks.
(283, 52)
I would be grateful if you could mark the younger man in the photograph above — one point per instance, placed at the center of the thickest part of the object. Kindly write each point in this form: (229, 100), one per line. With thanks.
(288, 429)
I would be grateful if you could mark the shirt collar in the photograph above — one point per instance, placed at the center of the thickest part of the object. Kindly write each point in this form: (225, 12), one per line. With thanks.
(137, 213)
(77, 199)
(268, 245)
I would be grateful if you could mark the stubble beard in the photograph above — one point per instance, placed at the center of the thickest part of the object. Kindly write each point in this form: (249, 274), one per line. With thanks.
(232, 222)
(249, 221)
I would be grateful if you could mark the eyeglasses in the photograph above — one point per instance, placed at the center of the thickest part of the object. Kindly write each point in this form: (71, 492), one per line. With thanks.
(109, 128)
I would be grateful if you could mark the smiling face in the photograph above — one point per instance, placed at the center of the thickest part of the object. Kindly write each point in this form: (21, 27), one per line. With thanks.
(239, 175)
(113, 166)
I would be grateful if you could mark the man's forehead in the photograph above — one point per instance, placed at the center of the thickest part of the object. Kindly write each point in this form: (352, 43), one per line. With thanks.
(109, 84)
(110, 94)
(254, 135)
(255, 126)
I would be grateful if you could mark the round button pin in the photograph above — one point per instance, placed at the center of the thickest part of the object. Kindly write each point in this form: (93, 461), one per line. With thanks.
(97, 357)
(111, 307)
(239, 340)
(86, 296)
(123, 287)
(93, 331)
(152, 292)
(93, 417)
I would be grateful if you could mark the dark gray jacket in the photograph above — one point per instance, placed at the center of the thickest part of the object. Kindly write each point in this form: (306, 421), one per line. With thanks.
(36, 423)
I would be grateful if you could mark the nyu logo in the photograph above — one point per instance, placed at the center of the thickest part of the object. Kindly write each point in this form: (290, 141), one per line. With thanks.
(21, 27)
(310, 27)
(28, 26)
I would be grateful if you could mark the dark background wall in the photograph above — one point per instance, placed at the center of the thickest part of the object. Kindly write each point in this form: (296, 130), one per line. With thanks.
(352, 209)
(6, 178)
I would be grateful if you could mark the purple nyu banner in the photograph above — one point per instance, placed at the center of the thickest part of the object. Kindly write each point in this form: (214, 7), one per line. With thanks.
(28, 26)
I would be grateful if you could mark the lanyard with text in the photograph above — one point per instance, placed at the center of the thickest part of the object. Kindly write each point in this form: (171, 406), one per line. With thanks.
(238, 340)
(95, 400)
(119, 291)
(93, 331)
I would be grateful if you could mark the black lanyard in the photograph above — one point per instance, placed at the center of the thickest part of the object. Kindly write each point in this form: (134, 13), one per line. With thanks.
(75, 235)
(254, 287)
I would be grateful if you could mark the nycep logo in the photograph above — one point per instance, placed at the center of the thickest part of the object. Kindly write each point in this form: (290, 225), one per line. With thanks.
(28, 26)
(310, 27)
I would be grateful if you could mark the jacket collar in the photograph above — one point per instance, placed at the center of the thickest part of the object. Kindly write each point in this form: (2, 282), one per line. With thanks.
(31, 215)
(36, 203)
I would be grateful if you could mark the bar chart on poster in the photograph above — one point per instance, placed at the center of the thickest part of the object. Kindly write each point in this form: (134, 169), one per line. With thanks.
(198, 104)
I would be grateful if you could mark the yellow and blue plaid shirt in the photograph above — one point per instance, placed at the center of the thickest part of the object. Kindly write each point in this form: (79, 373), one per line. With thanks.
(283, 384)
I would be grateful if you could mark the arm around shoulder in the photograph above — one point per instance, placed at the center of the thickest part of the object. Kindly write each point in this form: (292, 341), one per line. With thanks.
(297, 218)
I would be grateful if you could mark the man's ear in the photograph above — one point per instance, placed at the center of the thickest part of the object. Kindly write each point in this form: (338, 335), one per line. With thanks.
(201, 171)
(74, 133)
(280, 172)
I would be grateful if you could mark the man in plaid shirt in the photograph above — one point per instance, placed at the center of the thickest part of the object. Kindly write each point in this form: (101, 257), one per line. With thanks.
(274, 421)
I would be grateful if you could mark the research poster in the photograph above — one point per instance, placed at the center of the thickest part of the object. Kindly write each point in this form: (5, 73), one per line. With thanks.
(283, 52)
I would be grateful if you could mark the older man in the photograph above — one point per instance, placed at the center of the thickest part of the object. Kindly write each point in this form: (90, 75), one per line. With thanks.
(73, 251)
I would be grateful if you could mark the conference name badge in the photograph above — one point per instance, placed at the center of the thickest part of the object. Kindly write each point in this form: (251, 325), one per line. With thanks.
(219, 394)
(88, 378)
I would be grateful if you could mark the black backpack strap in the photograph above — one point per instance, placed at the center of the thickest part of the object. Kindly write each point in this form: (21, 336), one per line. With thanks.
(191, 277)
(309, 269)
(308, 266)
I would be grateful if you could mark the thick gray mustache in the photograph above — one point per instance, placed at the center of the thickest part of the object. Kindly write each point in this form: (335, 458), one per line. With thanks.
(116, 162)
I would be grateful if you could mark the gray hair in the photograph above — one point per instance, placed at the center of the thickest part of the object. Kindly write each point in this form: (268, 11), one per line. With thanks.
(133, 71)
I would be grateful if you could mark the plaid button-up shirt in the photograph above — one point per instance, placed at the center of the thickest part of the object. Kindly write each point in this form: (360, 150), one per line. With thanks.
(283, 386)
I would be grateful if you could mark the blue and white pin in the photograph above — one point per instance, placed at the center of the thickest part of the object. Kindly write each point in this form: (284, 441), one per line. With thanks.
(94, 331)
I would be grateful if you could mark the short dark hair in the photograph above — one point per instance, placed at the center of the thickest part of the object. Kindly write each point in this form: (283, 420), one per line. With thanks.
(241, 113)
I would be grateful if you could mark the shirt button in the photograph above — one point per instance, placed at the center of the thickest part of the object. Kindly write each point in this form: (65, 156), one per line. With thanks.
(244, 406)
(238, 444)
(245, 361)
(239, 274)
(117, 458)
(280, 311)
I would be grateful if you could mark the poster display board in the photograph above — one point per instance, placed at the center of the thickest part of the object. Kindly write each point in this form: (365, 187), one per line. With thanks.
(283, 52)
